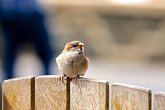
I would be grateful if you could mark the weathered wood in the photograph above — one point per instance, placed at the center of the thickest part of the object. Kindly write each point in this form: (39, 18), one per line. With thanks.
(89, 94)
(18, 94)
(159, 101)
(52, 93)
(128, 97)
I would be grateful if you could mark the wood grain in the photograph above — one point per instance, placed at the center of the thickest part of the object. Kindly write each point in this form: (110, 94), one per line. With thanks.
(128, 97)
(87, 94)
(18, 94)
(159, 101)
(51, 93)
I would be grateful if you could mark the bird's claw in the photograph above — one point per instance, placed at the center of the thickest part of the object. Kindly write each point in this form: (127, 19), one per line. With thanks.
(62, 78)
(75, 78)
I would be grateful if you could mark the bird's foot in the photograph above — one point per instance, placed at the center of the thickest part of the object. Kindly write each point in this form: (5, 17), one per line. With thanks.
(75, 78)
(62, 77)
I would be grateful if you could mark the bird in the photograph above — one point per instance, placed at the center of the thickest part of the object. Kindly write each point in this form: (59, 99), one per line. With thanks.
(72, 62)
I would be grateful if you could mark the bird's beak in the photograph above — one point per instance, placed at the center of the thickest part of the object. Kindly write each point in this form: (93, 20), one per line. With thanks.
(80, 45)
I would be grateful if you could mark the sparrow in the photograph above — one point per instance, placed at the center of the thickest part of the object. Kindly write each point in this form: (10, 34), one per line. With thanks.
(72, 62)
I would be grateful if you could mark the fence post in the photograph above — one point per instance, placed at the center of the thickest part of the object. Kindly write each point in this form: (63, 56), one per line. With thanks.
(51, 93)
(87, 94)
(128, 97)
(18, 94)
(159, 101)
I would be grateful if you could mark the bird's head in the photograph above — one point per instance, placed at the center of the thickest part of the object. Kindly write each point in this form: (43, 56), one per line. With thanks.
(74, 46)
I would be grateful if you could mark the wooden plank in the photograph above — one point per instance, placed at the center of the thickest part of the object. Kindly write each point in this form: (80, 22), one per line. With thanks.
(159, 101)
(51, 93)
(18, 94)
(87, 94)
(128, 97)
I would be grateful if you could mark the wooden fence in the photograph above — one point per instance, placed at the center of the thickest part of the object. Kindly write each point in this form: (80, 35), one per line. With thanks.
(50, 93)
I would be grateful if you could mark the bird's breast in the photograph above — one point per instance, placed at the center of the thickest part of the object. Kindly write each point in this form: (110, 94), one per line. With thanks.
(71, 63)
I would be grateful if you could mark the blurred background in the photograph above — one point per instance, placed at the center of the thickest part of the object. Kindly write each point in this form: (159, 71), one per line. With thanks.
(124, 40)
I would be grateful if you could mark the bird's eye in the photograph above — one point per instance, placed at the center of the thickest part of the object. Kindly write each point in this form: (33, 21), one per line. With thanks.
(75, 45)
